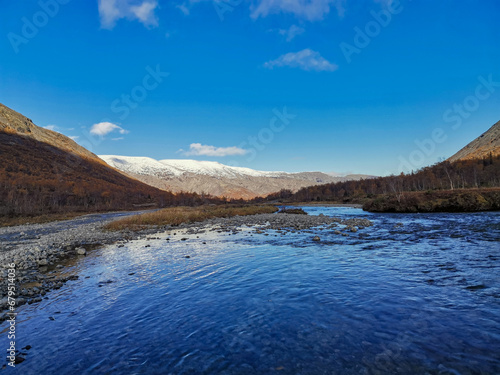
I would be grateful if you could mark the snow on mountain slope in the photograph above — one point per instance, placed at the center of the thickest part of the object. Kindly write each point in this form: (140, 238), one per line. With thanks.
(213, 168)
(141, 165)
(176, 168)
(214, 178)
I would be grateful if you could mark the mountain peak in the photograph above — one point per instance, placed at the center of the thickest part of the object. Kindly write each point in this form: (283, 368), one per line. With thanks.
(481, 147)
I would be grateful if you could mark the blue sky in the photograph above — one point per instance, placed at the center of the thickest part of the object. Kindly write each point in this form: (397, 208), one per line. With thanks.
(369, 86)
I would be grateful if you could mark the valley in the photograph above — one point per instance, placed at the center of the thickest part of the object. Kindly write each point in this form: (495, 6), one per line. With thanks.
(264, 187)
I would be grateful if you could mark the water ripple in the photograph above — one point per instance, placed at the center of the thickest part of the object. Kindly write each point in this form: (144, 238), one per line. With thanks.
(415, 294)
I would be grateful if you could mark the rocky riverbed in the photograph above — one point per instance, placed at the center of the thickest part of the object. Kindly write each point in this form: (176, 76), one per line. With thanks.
(41, 250)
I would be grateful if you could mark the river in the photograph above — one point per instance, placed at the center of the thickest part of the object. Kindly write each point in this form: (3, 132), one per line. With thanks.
(413, 294)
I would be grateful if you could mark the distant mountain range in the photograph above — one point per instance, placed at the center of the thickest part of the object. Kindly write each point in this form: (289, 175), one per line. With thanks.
(482, 147)
(215, 178)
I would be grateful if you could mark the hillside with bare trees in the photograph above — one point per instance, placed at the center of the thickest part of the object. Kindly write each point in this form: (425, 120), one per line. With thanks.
(467, 185)
(44, 172)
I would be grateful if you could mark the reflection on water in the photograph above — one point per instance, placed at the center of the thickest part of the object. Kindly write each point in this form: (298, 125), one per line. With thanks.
(414, 294)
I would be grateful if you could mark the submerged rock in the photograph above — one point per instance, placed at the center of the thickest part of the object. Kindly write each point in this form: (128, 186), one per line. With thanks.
(476, 287)
(19, 360)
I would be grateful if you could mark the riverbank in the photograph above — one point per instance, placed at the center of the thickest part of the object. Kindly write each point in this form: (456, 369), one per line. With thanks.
(41, 250)
(325, 204)
(457, 200)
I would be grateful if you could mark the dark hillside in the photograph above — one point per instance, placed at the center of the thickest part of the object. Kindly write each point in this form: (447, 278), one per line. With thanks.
(38, 178)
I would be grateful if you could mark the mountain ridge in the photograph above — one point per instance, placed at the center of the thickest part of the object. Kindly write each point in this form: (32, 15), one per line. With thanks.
(215, 178)
(482, 147)
(12, 122)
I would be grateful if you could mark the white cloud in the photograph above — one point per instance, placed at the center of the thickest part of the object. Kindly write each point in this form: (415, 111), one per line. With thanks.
(305, 60)
(385, 3)
(184, 9)
(51, 127)
(117, 139)
(197, 149)
(143, 11)
(312, 10)
(104, 128)
(292, 32)
(74, 137)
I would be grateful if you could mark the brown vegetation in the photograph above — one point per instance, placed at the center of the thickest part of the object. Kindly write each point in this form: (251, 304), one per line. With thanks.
(463, 174)
(462, 200)
(297, 211)
(180, 215)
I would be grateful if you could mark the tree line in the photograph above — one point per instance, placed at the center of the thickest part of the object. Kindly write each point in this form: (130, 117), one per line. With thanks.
(462, 174)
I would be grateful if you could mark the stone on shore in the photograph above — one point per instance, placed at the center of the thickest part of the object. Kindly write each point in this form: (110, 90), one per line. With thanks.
(81, 251)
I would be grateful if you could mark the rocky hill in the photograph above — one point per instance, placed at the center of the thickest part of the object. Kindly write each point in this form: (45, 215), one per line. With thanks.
(482, 147)
(215, 178)
(12, 122)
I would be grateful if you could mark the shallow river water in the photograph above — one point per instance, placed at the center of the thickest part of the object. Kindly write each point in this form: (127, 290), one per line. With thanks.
(414, 294)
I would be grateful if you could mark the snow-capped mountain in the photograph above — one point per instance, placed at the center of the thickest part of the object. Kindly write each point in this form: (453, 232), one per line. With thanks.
(215, 178)
(179, 167)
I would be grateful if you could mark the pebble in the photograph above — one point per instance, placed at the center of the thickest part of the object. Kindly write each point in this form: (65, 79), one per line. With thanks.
(81, 251)
(43, 262)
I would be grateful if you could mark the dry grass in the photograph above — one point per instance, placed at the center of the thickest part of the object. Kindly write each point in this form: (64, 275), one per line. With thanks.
(297, 211)
(180, 215)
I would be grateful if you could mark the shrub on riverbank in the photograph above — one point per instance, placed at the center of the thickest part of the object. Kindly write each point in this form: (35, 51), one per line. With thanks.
(297, 211)
(180, 215)
(467, 200)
